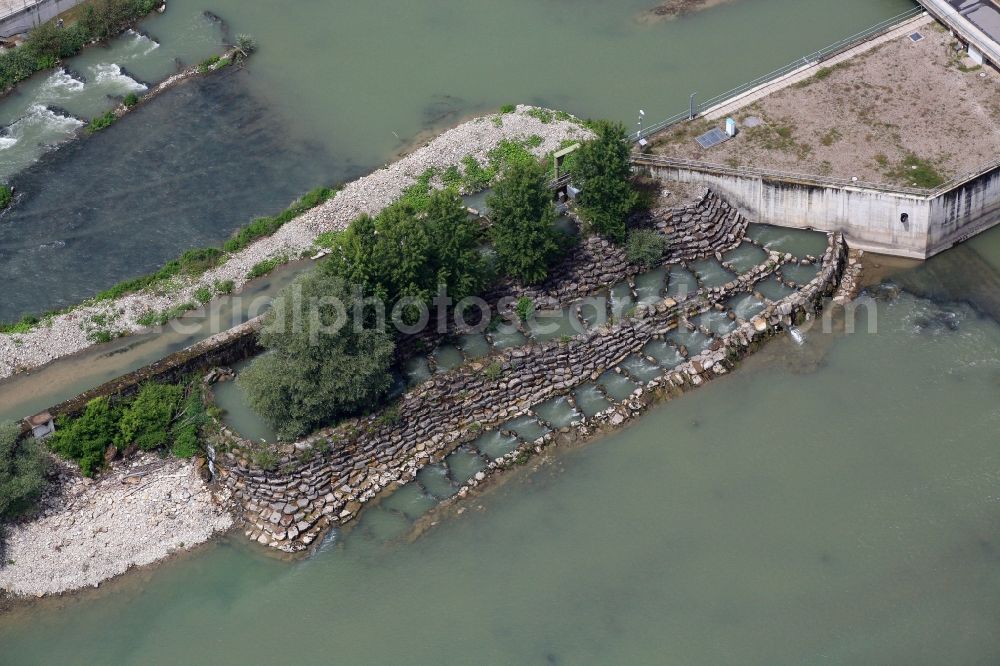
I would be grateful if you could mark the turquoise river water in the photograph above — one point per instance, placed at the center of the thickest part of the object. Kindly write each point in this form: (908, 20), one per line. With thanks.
(834, 502)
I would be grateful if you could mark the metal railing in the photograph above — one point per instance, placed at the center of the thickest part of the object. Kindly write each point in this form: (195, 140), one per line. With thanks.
(813, 58)
(813, 179)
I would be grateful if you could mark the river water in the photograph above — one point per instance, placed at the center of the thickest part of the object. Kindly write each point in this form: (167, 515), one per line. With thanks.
(336, 89)
(833, 502)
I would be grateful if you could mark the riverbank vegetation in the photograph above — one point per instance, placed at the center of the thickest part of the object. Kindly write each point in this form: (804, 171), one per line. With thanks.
(602, 170)
(47, 43)
(403, 256)
(523, 231)
(160, 417)
(23, 465)
(309, 378)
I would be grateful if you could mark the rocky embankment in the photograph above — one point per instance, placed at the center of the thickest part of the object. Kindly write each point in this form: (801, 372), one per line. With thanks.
(88, 531)
(325, 479)
(66, 334)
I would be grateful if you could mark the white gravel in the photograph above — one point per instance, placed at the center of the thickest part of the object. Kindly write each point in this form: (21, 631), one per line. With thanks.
(67, 333)
(91, 531)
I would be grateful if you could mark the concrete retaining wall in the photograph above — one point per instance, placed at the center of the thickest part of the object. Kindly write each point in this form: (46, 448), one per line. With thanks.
(871, 219)
(223, 349)
(33, 14)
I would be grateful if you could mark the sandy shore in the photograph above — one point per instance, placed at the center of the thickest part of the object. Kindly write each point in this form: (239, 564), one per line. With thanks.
(68, 333)
(88, 531)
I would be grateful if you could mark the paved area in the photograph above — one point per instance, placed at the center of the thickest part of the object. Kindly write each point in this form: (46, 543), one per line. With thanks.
(984, 14)
(975, 21)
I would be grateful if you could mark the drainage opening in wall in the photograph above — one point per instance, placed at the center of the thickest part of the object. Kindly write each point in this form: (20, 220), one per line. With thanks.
(904, 218)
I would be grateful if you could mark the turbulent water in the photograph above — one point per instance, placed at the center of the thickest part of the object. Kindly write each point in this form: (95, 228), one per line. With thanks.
(833, 502)
(341, 86)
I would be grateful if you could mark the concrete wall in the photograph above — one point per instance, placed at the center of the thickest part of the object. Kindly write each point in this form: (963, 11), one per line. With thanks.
(36, 12)
(871, 219)
(965, 211)
(222, 349)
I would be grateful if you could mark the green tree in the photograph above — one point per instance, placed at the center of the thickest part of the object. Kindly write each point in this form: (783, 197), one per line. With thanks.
(405, 252)
(454, 251)
(524, 236)
(314, 371)
(603, 171)
(22, 472)
(85, 438)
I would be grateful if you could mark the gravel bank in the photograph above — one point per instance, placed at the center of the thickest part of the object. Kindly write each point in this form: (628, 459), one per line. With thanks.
(90, 531)
(68, 333)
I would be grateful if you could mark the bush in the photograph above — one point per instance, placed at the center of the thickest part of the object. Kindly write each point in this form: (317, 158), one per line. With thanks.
(603, 171)
(6, 196)
(245, 44)
(98, 123)
(311, 375)
(508, 108)
(130, 100)
(524, 235)
(224, 286)
(159, 415)
(187, 426)
(22, 472)
(208, 63)
(265, 226)
(262, 268)
(203, 294)
(85, 438)
(524, 308)
(147, 418)
(645, 247)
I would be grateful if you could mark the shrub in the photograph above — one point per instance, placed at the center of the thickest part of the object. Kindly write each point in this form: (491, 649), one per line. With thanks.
(262, 268)
(311, 377)
(98, 123)
(645, 247)
(265, 226)
(25, 324)
(524, 235)
(207, 63)
(245, 44)
(508, 108)
(22, 472)
(85, 438)
(147, 418)
(544, 115)
(6, 196)
(493, 371)
(603, 171)
(224, 286)
(475, 178)
(130, 100)
(203, 294)
(524, 308)
(187, 425)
